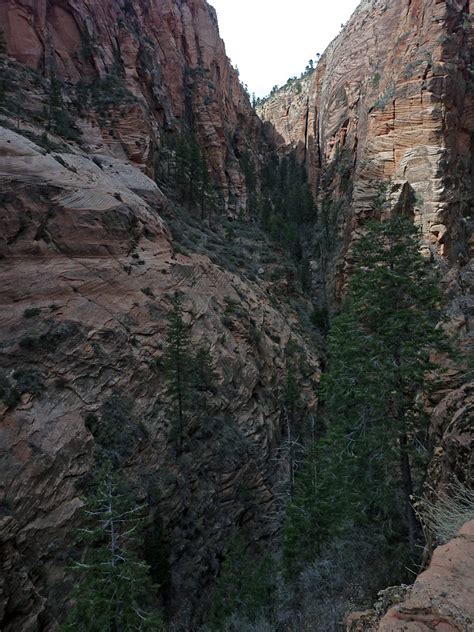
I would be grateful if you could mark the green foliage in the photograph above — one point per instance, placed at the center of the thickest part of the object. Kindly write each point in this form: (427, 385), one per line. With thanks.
(178, 365)
(203, 376)
(385, 99)
(59, 119)
(58, 333)
(182, 162)
(31, 312)
(102, 94)
(189, 377)
(115, 430)
(287, 206)
(376, 80)
(368, 463)
(157, 554)
(115, 590)
(14, 385)
(246, 585)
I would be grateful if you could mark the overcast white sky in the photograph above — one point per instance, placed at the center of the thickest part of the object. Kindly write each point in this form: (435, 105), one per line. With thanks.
(272, 40)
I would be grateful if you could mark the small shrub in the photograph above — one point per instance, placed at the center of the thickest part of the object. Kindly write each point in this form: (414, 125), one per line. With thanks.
(50, 340)
(227, 321)
(385, 99)
(8, 393)
(28, 381)
(116, 432)
(148, 291)
(376, 80)
(31, 312)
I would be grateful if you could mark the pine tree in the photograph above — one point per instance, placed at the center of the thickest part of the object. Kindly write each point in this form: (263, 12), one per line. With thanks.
(115, 592)
(203, 377)
(178, 364)
(366, 467)
(245, 587)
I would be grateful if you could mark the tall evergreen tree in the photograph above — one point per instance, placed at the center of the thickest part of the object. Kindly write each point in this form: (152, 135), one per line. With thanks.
(178, 364)
(366, 467)
(115, 592)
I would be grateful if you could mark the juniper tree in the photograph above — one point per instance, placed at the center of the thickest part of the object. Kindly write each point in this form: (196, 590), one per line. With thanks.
(115, 592)
(366, 466)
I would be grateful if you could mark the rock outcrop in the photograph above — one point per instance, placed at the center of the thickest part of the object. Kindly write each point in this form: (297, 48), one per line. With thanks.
(440, 599)
(88, 273)
(442, 596)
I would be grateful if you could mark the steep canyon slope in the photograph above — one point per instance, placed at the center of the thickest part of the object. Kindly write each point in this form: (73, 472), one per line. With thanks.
(385, 123)
(391, 100)
(96, 98)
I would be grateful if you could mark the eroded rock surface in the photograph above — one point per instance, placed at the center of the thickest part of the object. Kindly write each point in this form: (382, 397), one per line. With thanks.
(88, 273)
(88, 270)
(142, 70)
(442, 597)
(390, 100)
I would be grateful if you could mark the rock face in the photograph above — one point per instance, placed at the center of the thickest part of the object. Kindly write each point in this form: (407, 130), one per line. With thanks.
(442, 596)
(391, 100)
(386, 119)
(89, 269)
(440, 599)
(87, 276)
(94, 97)
(166, 57)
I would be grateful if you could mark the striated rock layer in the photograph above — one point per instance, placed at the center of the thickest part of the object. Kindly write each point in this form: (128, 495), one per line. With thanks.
(391, 101)
(166, 56)
(88, 271)
(385, 123)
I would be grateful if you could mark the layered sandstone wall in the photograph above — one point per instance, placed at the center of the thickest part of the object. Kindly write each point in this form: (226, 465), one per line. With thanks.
(167, 54)
(391, 100)
(88, 271)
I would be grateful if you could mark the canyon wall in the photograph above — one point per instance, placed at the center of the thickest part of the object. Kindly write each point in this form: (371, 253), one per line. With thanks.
(390, 101)
(94, 248)
(385, 124)
(91, 258)
(144, 70)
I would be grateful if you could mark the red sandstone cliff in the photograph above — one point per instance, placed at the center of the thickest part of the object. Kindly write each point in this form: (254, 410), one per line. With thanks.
(391, 100)
(88, 269)
(167, 54)
(88, 266)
